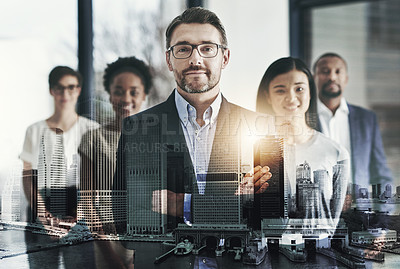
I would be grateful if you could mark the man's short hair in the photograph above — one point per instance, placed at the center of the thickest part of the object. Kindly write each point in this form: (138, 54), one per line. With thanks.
(326, 55)
(196, 15)
(58, 72)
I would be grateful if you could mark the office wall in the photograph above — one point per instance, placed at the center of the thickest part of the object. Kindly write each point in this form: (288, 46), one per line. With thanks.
(258, 34)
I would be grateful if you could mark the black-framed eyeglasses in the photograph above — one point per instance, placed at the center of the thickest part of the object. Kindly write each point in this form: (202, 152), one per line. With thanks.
(61, 88)
(205, 50)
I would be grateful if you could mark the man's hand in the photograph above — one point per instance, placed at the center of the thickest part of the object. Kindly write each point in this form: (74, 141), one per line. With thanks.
(259, 177)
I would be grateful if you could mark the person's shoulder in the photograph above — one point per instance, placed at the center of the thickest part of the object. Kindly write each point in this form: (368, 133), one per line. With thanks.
(37, 127)
(92, 133)
(360, 111)
(152, 113)
(97, 137)
(38, 124)
(87, 123)
(157, 109)
(260, 124)
(236, 108)
(326, 142)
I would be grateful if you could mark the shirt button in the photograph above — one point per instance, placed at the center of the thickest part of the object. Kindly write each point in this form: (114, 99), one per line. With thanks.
(198, 138)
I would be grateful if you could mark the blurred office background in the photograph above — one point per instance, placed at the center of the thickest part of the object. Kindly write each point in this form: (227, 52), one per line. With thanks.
(37, 35)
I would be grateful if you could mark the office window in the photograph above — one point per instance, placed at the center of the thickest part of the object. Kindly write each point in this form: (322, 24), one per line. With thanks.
(35, 36)
(367, 35)
(132, 28)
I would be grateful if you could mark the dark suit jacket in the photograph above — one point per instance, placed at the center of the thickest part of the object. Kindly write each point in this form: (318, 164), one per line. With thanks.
(152, 143)
(368, 159)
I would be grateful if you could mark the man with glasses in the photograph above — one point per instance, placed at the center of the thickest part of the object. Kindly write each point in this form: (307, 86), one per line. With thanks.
(185, 150)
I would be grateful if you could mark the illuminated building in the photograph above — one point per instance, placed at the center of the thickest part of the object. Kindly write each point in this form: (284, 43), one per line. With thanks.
(273, 202)
(52, 177)
(10, 199)
(101, 201)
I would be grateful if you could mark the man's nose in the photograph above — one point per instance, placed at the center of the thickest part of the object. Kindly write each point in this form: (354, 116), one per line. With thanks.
(333, 76)
(195, 58)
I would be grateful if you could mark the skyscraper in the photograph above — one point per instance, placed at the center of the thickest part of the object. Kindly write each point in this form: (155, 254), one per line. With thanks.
(10, 198)
(304, 188)
(146, 181)
(388, 191)
(101, 203)
(374, 191)
(222, 200)
(273, 202)
(30, 178)
(340, 175)
(52, 177)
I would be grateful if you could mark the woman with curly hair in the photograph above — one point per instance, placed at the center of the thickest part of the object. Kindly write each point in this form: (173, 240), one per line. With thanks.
(128, 81)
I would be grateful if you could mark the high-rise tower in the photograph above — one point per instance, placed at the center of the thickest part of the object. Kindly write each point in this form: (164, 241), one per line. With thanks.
(52, 177)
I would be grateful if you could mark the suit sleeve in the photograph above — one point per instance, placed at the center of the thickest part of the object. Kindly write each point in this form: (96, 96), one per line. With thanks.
(379, 170)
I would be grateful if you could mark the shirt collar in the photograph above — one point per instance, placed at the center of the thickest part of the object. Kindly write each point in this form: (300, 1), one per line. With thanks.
(184, 109)
(323, 109)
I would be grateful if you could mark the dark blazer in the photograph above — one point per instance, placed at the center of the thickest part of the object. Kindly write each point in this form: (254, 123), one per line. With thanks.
(152, 143)
(368, 159)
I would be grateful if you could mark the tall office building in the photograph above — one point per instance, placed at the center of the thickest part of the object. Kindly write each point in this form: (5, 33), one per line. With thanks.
(72, 183)
(378, 190)
(30, 178)
(374, 191)
(356, 191)
(303, 172)
(175, 174)
(146, 174)
(341, 173)
(308, 194)
(321, 179)
(304, 187)
(222, 200)
(363, 193)
(52, 177)
(388, 191)
(273, 203)
(10, 198)
(101, 201)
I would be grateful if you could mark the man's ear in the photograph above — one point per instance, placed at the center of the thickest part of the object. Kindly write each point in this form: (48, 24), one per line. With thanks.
(168, 60)
(225, 59)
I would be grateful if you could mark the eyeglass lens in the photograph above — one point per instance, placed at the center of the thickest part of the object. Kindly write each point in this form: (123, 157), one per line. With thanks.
(185, 50)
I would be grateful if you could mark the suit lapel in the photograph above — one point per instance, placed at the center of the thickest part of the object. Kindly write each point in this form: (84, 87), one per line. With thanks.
(354, 142)
(175, 141)
(224, 154)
